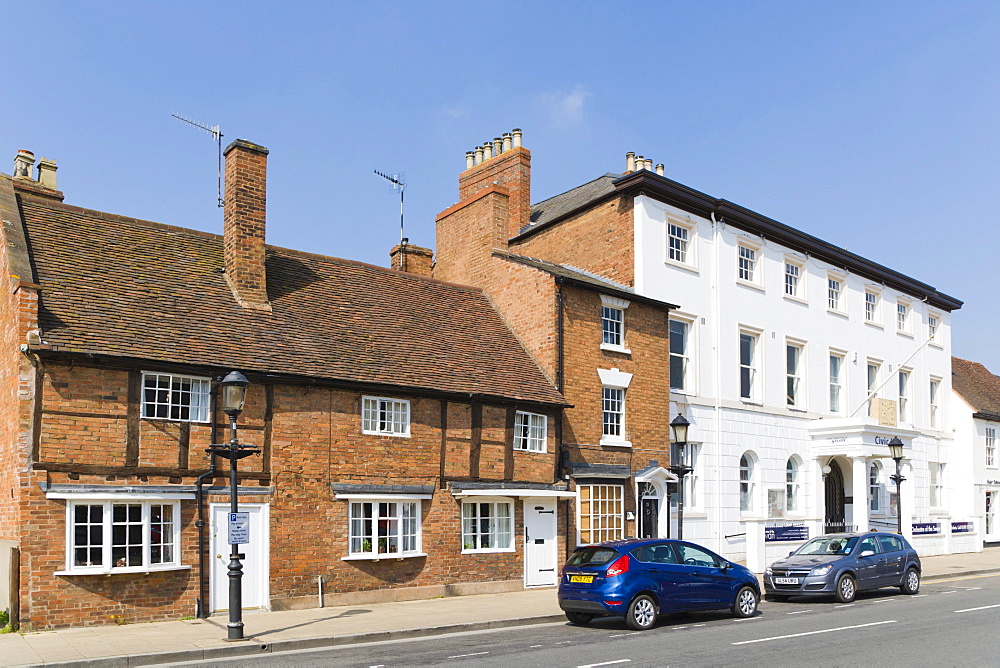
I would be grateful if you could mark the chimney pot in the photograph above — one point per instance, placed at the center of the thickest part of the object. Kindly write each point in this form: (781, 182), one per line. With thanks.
(648, 164)
(659, 169)
(517, 137)
(23, 162)
(47, 173)
(487, 151)
(470, 159)
(630, 162)
(479, 155)
(506, 142)
(497, 145)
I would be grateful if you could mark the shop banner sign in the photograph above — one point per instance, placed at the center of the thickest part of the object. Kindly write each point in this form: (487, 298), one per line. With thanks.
(781, 534)
(924, 528)
(961, 527)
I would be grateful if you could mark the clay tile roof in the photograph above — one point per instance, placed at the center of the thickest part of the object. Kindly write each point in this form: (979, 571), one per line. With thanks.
(112, 285)
(977, 386)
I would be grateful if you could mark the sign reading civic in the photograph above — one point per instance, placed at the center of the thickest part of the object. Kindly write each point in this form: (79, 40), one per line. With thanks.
(781, 534)
(924, 528)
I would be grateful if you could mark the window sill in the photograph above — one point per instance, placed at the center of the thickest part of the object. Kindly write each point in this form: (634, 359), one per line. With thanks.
(383, 433)
(933, 344)
(797, 300)
(530, 452)
(681, 265)
(901, 332)
(616, 444)
(748, 284)
(379, 557)
(610, 347)
(124, 571)
(842, 314)
(876, 325)
(797, 409)
(498, 550)
(751, 402)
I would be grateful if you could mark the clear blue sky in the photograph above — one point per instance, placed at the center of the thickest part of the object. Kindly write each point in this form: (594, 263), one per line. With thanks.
(873, 125)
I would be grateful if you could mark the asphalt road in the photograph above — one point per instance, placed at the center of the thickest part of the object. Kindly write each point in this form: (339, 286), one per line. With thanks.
(950, 622)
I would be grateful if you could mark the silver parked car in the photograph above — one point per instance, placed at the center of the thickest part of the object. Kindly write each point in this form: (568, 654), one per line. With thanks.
(842, 564)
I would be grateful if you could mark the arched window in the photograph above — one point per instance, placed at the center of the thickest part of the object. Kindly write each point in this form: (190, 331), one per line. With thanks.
(874, 488)
(746, 481)
(792, 484)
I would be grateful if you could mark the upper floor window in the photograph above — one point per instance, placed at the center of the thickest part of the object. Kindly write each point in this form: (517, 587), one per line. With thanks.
(834, 293)
(122, 536)
(601, 509)
(613, 323)
(904, 395)
(793, 279)
(530, 431)
(384, 528)
(836, 382)
(902, 317)
(747, 267)
(678, 242)
(874, 370)
(793, 374)
(679, 331)
(935, 389)
(991, 446)
(872, 301)
(387, 417)
(748, 365)
(932, 326)
(613, 413)
(173, 397)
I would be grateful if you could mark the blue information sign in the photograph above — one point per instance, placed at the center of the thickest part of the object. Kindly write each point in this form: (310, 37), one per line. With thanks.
(961, 527)
(924, 528)
(781, 534)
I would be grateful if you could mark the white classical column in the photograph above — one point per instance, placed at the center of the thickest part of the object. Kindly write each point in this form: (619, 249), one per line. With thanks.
(859, 490)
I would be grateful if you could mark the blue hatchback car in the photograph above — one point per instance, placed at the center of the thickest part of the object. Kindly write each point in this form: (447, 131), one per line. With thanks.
(641, 578)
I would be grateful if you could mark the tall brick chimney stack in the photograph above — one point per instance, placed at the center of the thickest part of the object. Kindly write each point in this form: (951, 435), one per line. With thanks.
(244, 216)
(505, 163)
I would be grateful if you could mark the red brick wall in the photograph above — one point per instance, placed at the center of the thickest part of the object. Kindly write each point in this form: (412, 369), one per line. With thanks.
(244, 219)
(511, 171)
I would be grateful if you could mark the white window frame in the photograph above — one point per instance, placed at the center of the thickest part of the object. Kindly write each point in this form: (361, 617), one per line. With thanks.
(991, 447)
(692, 481)
(836, 398)
(794, 276)
(904, 317)
(495, 527)
(612, 415)
(835, 294)
(605, 505)
(872, 383)
(749, 269)
(873, 307)
(385, 416)
(747, 482)
(530, 432)
(681, 250)
(106, 522)
(613, 324)
(905, 376)
(875, 487)
(174, 399)
(403, 522)
(795, 382)
(681, 357)
(751, 368)
(792, 470)
(934, 402)
(936, 473)
(934, 329)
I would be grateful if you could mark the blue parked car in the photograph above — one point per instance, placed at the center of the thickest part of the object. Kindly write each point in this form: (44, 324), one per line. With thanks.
(641, 578)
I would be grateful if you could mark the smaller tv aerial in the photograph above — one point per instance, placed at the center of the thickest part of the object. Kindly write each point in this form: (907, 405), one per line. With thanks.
(217, 135)
(398, 185)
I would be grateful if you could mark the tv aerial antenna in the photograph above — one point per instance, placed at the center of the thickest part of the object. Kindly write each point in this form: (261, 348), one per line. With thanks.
(398, 185)
(217, 135)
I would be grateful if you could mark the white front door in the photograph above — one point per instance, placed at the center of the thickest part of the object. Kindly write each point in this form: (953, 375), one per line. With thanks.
(540, 549)
(255, 565)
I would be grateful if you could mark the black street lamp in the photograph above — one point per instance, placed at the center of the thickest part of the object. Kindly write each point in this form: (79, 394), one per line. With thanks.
(678, 464)
(234, 392)
(896, 452)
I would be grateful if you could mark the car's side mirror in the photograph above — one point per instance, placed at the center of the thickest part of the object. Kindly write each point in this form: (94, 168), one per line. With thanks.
(791, 553)
(867, 553)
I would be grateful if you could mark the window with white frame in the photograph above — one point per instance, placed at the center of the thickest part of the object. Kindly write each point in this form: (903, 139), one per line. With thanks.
(792, 484)
(679, 248)
(793, 374)
(834, 293)
(902, 317)
(748, 365)
(874, 371)
(934, 399)
(933, 322)
(692, 481)
(386, 417)
(747, 264)
(904, 395)
(384, 528)
(836, 382)
(487, 526)
(746, 482)
(168, 396)
(109, 536)
(613, 413)
(937, 484)
(991, 446)
(530, 431)
(601, 513)
(612, 321)
(874, 487)
(793, 279)
(679, 362)
(872, 301)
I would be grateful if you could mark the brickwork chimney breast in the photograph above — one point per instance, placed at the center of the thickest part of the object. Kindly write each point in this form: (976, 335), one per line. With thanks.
(244, 217)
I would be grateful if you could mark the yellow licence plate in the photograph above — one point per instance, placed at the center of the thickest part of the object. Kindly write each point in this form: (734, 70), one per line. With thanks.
(586, 579)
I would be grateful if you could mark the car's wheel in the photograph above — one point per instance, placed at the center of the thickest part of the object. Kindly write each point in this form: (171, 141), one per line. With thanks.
(579, 618)
(776, 597)
(746, 602)
(847, 588)
(911, 582)
(641, 613)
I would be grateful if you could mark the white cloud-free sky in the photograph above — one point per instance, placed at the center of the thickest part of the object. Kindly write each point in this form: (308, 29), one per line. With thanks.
(873, 125)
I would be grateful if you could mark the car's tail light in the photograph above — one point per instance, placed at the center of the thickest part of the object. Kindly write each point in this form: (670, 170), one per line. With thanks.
(620, 566)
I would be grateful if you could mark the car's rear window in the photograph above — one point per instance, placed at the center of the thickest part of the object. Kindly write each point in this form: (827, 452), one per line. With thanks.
(591, 556)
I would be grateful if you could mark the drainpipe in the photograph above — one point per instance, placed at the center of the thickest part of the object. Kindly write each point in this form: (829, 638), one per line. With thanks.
(200, 607)
(717, 359)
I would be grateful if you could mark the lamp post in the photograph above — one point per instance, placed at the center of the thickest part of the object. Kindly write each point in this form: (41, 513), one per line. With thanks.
(678, 464)
(234, 392)
(896, 452)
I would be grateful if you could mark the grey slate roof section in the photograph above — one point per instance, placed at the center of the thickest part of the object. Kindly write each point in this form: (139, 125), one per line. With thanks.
(346, 488)
(653, 465)
(70, 488)
(456, 486)
(583, 470)
(567, 202)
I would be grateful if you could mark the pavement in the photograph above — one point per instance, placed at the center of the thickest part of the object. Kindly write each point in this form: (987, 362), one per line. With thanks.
(204, 639)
